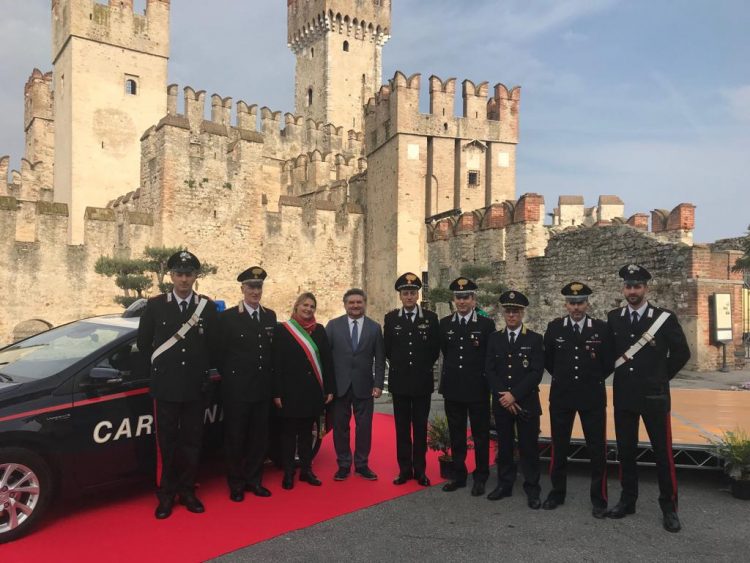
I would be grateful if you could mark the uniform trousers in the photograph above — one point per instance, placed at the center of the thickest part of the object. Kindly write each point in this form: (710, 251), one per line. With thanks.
(410, 415)
(659, 428)
(508, 426)
(245, 441)
(179, 433)
(593, 422)
(296, 437)
(479, 417)
(342, 414)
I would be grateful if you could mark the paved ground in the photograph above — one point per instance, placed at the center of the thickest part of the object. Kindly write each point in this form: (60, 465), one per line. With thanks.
(433, 525)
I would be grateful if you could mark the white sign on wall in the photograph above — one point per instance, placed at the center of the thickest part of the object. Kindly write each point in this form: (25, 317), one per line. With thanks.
(412, 151)
(503, 159)
(722, 317)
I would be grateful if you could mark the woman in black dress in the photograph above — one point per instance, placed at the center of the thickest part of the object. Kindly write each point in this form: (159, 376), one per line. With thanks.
(303, 385)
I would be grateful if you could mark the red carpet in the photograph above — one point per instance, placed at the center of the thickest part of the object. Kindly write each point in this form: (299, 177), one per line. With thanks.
(119, 527)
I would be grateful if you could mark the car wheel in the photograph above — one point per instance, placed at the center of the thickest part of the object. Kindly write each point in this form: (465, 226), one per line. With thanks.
(25, 491)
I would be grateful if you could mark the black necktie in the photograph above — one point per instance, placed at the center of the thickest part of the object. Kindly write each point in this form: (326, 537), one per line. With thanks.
(255, 316)
(576, 329)
(355, 335)
(634, 317)
(512, 338)
(410, 315)
(463, 322)
(183, 306)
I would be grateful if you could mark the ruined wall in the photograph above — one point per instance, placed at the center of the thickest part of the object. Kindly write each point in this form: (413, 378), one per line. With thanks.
(539, 260)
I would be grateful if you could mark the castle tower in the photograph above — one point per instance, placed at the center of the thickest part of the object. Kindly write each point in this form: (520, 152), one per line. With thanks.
(338, 46)
(110, 78)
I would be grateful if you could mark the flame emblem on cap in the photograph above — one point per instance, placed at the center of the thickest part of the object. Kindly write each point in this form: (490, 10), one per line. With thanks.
(512, 295)
(632, 268)
(257, 271)
(184, 255)
(410, 278)
(575, 288)
(462, 282)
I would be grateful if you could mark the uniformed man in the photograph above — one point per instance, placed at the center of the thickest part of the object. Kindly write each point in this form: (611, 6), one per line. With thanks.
(412, 345)
(650, 349)
(178, 336)
(577, 355)
(514, 367)
(463, 342)
(247, 373)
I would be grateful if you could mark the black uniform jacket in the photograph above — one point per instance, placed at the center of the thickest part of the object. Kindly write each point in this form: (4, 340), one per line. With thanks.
(464, 350)
(579, 365)
(246, 359)
(294, 379)
(518, 368)
(180, 373)
(643, 381)
(412, 348)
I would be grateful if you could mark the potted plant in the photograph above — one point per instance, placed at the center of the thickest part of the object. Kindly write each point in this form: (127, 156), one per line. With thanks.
(439, 440)
(734, 450)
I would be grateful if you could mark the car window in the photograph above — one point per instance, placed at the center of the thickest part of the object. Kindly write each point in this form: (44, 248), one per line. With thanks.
(52, 351)
(127, 360)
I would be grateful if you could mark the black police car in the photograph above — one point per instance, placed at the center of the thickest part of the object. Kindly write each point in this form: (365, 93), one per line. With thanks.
(76, 416)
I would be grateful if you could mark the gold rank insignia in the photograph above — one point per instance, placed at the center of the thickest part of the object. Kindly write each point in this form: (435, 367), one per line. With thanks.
(575, 288)
(461, 283)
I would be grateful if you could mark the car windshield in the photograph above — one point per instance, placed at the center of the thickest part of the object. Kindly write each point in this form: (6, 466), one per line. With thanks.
(55, 350)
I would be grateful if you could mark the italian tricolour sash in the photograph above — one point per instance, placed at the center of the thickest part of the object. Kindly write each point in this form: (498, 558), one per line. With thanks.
(308, 346)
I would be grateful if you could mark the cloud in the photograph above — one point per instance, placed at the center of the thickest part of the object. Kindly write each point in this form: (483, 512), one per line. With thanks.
(738, 100)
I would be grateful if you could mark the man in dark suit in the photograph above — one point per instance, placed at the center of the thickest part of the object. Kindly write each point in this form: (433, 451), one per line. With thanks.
(412, 345)
(359, 366)
(650, 349)
(247, 372)
(578, 356)
(463, 342)
(515, 364)
(178, 337)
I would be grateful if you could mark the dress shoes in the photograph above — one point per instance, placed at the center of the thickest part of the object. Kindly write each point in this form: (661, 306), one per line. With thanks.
(366, 473)
(258, 490)
(287, 482)
(477, 490)
(599, 512)
(451, 486)
(498, 492)
(341, 474)
(401, 480)
(534, 503)
(310, 478)
(164, 510)
(671, 522)
(423, 480)
(551, 503)
(237, 495)
(621, 510)
(191, 502)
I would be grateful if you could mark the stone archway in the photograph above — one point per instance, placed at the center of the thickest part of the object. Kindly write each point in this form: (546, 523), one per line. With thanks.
(30, 327)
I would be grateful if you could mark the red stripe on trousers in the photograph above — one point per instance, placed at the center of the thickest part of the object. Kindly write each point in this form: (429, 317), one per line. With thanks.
(552, 447)
(604, 476)
(158, 449)
(670, 458)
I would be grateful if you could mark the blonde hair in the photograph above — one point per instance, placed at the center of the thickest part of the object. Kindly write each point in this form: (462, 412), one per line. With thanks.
(301, 298)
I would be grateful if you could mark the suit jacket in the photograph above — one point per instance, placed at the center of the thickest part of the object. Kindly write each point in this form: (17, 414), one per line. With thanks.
(180, 373)
(363, 368)
(643, 382)
(517, 368)
(294, 379)
(579, 365)
(246, 361)
(412, 348)
(464, 350)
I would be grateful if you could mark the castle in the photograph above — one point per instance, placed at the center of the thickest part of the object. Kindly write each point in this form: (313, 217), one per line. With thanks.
(352, 189)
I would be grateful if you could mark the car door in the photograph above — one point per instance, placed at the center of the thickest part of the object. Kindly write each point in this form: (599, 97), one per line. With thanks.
(113, 418)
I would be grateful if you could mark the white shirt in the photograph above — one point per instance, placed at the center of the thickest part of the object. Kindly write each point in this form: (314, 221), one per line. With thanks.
(466, 318)
(514, 332)
(179, 300)
(360, 322)
(250, 310)
(640, 310)
(580, 323)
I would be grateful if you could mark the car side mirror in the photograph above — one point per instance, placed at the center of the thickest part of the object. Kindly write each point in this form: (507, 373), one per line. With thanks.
(105, 375)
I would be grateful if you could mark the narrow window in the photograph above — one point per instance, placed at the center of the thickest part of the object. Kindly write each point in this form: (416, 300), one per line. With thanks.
(131, 88)
(309, 96)
(346, 46)
(473, 178)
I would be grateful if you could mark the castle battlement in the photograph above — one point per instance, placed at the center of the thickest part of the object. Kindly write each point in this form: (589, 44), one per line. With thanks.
(113, 24)
(308, 20)
(395, 109)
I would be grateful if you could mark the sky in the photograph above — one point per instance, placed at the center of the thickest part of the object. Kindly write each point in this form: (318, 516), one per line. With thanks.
(645, 99)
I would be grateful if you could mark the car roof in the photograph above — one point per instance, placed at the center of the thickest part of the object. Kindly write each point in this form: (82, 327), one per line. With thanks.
(114, 320)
